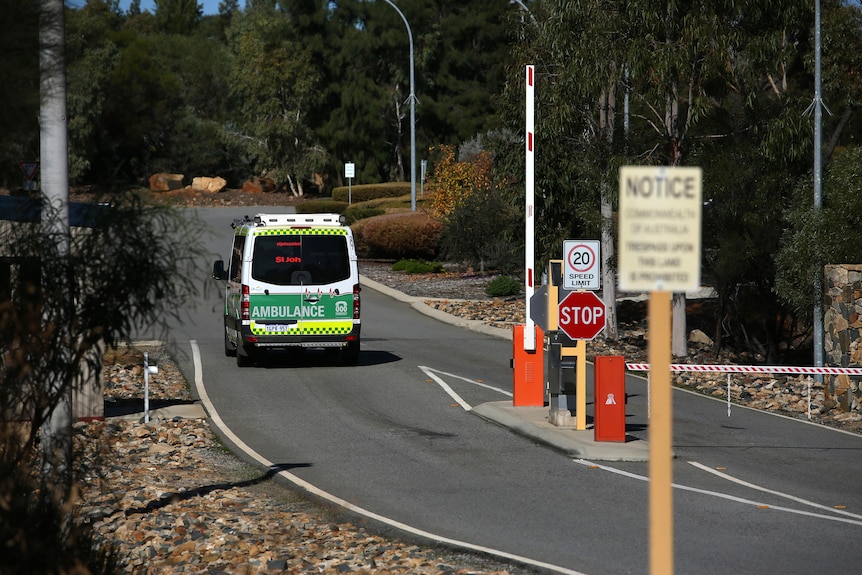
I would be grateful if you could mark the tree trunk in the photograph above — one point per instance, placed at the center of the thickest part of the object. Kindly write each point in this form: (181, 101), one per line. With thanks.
(609, 286)
(607, 114)
(680, 329)
(57, 431)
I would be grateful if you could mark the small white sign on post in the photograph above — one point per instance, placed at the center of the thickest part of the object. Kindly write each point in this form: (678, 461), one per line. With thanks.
(582, 264)
(659, 228)
(349, 173)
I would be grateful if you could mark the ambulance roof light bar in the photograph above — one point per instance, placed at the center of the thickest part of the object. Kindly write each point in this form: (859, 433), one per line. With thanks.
(299, 219)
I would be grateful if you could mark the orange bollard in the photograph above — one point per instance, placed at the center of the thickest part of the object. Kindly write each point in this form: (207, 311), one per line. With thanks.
(528, 387)
(610, 398)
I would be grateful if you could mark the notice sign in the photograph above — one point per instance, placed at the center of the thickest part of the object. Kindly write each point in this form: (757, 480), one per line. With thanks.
(581, 264)
(659, 228)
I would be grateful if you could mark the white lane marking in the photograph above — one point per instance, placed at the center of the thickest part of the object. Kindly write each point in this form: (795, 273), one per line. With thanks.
(468, 380)
(431, 372)
(301, 483)
(773, 492)
(723, 495)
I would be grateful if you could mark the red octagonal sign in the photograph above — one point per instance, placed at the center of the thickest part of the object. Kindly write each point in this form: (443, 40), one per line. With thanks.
(582, 315)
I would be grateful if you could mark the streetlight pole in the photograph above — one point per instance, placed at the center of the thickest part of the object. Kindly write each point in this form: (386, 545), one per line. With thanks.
(524, 9)
(412, 113)
(818, 194)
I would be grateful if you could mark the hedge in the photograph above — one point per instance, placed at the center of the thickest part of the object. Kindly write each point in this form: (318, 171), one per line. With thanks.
(365, 192)
(401, 235)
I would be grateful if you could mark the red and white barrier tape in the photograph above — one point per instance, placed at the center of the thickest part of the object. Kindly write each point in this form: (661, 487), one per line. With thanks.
(753, 369)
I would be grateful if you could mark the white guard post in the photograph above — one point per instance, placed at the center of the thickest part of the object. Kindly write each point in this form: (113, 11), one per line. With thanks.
(148, 370)
(530, 221)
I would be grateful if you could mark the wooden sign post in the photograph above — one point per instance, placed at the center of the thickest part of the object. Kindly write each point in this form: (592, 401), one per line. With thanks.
(660, 244)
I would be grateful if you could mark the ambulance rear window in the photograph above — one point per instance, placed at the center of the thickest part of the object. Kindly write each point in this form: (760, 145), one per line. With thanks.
(297, 259)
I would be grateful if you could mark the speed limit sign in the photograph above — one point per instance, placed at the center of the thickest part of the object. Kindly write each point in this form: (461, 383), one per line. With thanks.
(582, 264)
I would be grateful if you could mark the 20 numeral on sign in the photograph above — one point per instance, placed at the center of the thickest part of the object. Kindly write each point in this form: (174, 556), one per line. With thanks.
(582, 258)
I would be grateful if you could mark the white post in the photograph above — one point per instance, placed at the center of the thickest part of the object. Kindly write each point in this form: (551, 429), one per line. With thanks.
(530, 220)
(349, 172)
(728, 395)
(146, 388)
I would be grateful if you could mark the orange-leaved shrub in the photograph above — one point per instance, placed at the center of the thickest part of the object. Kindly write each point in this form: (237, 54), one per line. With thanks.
(452, 181)
(400, 235)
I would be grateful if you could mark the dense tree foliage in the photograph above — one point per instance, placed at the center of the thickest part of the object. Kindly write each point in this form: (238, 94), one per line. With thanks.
(289, 89)
(293, 89)
(722, 85)
(19, 90)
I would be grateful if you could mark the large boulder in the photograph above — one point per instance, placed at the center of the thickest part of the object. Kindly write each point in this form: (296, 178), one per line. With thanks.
(164, 182)
(209, 185)
(258, 185)
(699, 337)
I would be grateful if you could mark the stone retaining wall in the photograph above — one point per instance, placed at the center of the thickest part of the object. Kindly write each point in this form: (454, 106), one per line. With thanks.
(842, 333)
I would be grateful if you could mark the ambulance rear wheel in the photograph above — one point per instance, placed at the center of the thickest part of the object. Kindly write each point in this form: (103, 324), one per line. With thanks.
(243, 360)
(350, 353)
(229, 347)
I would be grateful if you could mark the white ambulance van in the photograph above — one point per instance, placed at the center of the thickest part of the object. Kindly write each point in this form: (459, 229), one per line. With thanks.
(292, 282)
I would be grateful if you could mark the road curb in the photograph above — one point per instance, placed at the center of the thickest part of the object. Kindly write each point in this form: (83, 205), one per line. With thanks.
(532, 422)
(418, 303)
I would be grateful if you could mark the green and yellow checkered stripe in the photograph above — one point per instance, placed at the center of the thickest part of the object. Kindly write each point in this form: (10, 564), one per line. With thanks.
(300, 232)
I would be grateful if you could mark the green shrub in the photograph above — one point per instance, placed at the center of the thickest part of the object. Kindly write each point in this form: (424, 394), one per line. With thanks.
(483, 231)
(402, 235)
(360, 213)
(321, 207)
(365, 192)
(414, 266)
(503, 286)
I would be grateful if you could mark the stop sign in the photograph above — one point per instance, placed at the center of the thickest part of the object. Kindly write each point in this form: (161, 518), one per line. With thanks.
(582, 315)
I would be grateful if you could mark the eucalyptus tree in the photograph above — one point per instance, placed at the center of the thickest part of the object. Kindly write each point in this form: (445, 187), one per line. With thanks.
(709, 83)
(361, 51)
(178, 16)
(140, 100)
(273, 84)
(359, 111)
(829, 234)
(91, 55)
(683, 60)
(577, 53)
(463, 51)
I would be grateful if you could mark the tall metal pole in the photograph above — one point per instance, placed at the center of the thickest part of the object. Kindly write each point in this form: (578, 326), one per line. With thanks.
(818, 200)
(523, 9)
(412, 113)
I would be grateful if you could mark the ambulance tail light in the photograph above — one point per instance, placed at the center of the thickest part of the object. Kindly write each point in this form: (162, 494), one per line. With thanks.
(244, 305)
(356, 290)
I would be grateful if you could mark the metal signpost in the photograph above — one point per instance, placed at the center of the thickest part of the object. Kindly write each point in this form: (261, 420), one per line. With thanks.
(349, 173)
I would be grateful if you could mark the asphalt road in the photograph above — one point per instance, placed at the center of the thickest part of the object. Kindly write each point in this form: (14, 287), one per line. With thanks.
(754, 493)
